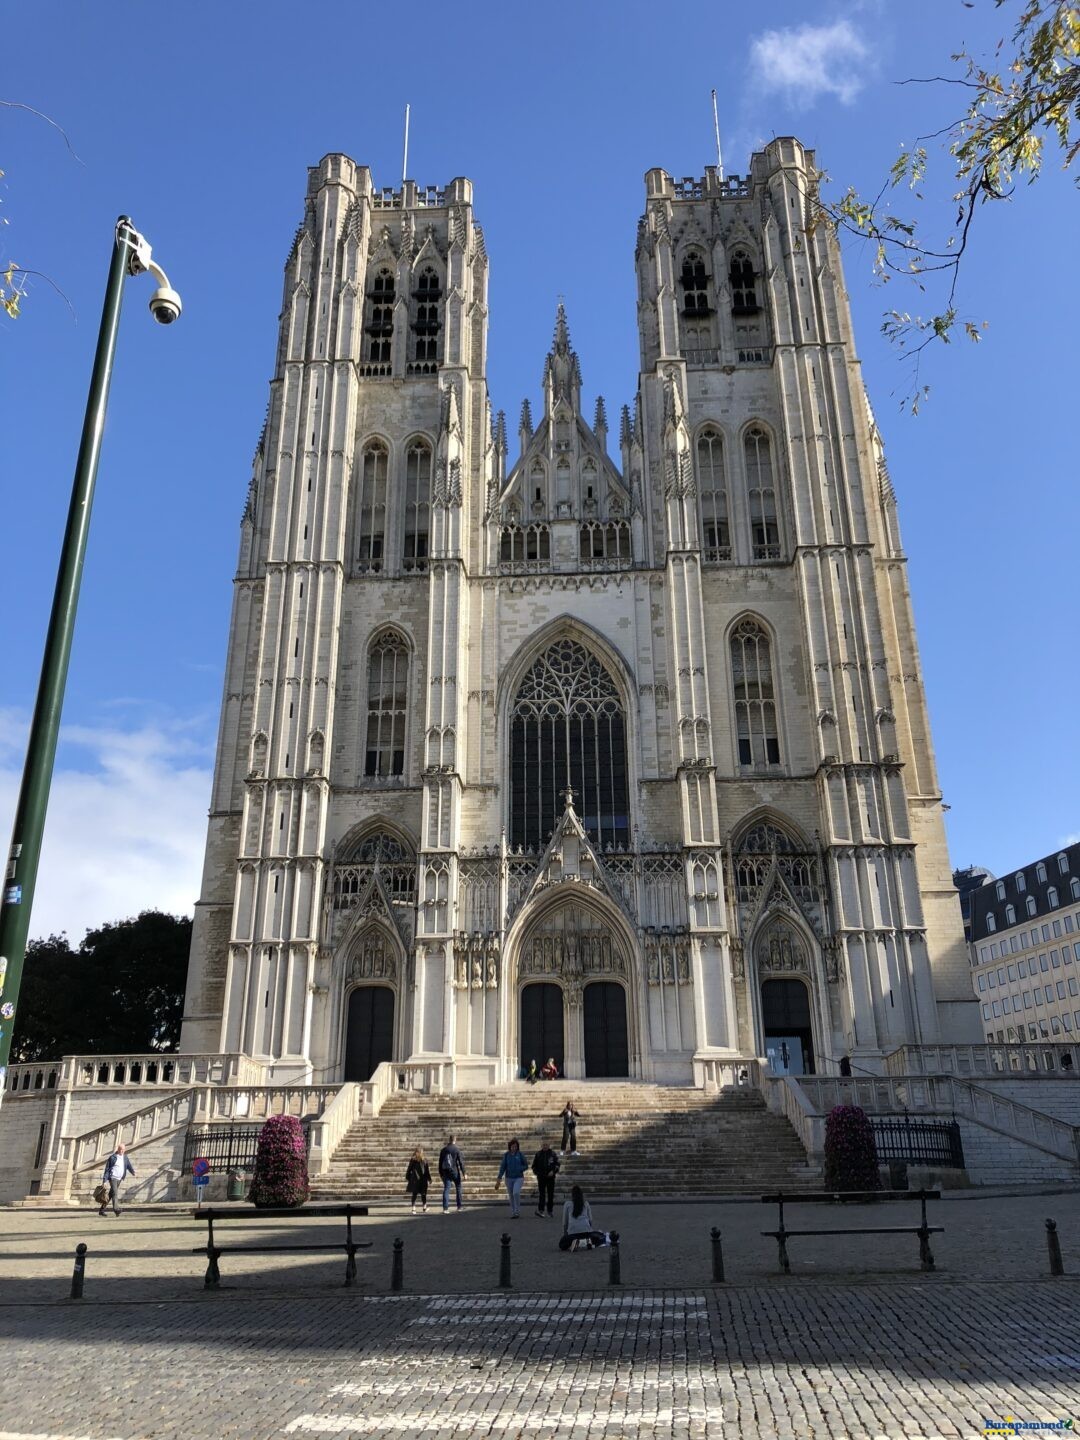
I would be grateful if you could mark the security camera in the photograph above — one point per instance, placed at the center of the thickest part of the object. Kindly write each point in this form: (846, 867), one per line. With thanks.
(165, 305)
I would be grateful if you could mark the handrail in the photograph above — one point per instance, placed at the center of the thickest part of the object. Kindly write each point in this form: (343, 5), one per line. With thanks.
(1012, 1061)
(331, 1127)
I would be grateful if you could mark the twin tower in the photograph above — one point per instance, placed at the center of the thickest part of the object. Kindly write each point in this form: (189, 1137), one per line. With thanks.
(621, 761)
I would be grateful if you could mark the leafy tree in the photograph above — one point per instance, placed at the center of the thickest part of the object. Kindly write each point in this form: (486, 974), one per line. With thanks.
(121, 991)
(1024, 100)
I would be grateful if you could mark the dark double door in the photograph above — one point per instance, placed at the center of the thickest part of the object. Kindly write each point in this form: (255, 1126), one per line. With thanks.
(369, 1039)
(542, 1025)
(789, 1031)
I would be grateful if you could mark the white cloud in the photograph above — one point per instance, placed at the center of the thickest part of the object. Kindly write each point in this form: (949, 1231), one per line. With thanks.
(808, 61)
(125, 830)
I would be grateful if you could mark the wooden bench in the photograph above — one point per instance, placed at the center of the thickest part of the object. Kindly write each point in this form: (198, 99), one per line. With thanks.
(783, 1234)
(302, 1212)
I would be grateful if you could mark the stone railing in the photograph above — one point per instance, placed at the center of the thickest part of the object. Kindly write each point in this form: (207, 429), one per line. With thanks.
(1033, 1057)
(427, 1077)
(785, 1096)
(716, 1074)
(945, 1095)
(198, 1105)
(161, 1069)
(331, 1127)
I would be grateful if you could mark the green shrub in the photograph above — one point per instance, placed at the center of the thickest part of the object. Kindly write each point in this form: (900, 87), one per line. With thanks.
(850, 1154)
(280, 1164)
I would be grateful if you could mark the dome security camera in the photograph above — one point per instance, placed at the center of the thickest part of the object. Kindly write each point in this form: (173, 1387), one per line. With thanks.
(165, 305)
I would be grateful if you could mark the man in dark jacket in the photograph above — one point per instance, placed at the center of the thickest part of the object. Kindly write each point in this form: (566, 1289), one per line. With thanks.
(451, 1172)
(545, 1167)
(117, 1168)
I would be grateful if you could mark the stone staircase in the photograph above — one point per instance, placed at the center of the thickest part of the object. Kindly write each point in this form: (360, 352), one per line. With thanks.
(634, 1140)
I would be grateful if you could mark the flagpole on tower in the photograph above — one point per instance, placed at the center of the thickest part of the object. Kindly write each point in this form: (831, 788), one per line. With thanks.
(405, 156)
(716, 129)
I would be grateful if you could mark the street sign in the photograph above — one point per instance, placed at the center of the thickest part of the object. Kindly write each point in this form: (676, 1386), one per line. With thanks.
(201, 1181)
(200, 1167)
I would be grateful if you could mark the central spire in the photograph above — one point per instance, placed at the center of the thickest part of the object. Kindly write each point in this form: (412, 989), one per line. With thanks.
(562, 373)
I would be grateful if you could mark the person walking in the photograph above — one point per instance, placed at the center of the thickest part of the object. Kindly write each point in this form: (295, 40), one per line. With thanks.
(569, 1118)
(577, 1224)
(417, 1179)
(513, 1167)
(451, 1172)
(545, 1167)
(117, 1168)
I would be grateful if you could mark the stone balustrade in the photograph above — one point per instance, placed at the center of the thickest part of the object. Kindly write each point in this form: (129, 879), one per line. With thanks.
(160, 1069)
(1033, 1057)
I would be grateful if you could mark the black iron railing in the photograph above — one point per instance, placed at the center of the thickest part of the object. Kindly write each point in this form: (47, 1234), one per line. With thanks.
(918, 1142)
(227, 1147)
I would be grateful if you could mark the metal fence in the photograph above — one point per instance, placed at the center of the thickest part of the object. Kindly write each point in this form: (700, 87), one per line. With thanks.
(227, 1147)
(918, 1142)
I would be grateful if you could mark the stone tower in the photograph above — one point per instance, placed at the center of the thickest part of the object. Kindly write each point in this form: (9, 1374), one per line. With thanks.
(626, 764)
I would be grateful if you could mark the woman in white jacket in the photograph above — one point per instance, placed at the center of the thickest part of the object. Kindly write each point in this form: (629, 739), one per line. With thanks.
(577, 1223)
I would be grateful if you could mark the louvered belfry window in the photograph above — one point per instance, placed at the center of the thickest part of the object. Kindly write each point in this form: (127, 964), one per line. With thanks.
(567, 727)
(388, 698)
(755, 702)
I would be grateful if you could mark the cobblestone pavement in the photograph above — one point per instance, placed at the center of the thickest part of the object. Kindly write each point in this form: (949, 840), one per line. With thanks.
(797, 1361)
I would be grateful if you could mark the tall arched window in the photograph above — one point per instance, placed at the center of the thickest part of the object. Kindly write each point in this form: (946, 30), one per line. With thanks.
(380, 327)
(417, 506)
(764, 526)
(371, 506)
(388, 698)
(712, 488)
(695, 283)
(567, 728)
(755, 702)
(426, 324)
(743, 288)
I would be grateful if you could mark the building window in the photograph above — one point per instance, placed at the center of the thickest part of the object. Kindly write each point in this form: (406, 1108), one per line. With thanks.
(568, 729)
(1040, 873)
(1000, 888)
(426, 320)
(604, 546)
(1010, 914)
(1052, 897)
(744, 299)
(417, 506)
(755, 702)
(1030, 902)
(524, 547)
(388, 696)
(1063, 864)
(1021, 883)
(380, 327)
(991, 923)
(1074, 888)
(372, 507)
(695, 283)
(712, 489)
(764, 527)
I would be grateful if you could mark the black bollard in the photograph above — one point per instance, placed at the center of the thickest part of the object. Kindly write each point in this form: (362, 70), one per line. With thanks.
(614, 1274)
(1053, 1246)
(717, 1257)
(78, 1275)
(397, 1267)
(504, 1263)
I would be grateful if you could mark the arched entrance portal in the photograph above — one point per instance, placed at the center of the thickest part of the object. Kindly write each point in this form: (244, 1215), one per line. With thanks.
(542, 1025)
(369, 1039)
(785, 1020)
(607, 1051)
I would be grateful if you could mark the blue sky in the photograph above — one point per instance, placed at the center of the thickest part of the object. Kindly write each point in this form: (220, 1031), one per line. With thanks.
(202, 131)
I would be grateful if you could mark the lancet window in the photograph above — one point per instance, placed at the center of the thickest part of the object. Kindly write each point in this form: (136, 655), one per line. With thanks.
(764, 525)
(380, 327)
(712, 489)
(744, 299)
(426, 321)
(695, 283)
(371, 507)
(755, 702)
(388, 698)
(524, 547)
(605, 545)
(417, 506)
(568, 729)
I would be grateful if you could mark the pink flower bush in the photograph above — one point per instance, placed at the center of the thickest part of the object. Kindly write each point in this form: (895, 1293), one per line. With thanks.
(850, 1153)
(280, 1164)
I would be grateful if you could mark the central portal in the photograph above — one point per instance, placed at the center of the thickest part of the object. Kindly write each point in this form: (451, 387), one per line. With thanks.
(606, 1048)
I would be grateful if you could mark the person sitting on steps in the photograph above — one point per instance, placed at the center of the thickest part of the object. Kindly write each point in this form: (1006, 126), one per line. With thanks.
(532, 1075)
(550, 1071)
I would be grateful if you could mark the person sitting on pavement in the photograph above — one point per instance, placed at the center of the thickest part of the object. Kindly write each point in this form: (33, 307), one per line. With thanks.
(550, 1071)
(578, 1230)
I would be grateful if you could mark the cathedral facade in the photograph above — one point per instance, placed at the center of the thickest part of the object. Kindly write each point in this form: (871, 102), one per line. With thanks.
(626, 764)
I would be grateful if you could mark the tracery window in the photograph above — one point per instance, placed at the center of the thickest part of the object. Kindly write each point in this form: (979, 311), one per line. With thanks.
(427, 324)
(695, 283)
(763, 846)
(567, 728)
(371, 506)
(417, 506)
(744, 299)
(712, 488)
(755, 702)
(380, 326)
(388, 697)
(524, 546)
(378, 851)
(764, 526)
(607, 544)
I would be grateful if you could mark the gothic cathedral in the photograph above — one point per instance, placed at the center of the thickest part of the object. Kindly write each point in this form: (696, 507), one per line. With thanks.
(625, 764)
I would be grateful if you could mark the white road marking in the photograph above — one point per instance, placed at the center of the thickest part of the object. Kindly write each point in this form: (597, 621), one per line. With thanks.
(484, 1420)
